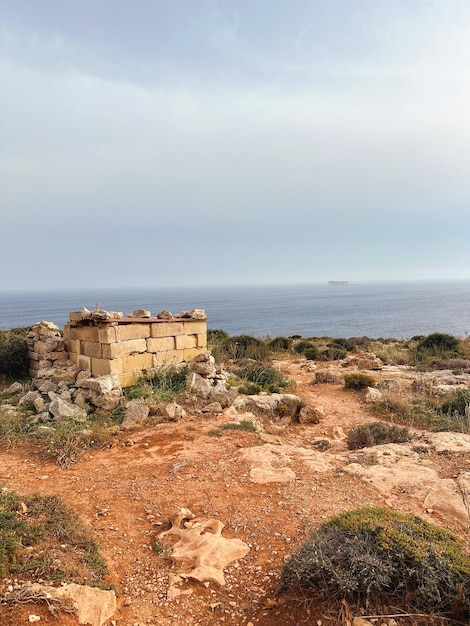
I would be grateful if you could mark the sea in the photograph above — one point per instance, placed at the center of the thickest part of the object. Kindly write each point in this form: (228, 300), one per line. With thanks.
(374, 309)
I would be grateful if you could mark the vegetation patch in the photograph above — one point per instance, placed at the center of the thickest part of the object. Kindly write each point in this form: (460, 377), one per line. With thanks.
(377, 556)
(258, 378)
(14, 360)
(41, 537)
(357, 381)
(376, 434)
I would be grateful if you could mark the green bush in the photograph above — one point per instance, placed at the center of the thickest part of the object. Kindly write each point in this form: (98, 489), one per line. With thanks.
(168, 382)
(14, 359)
(279, 344)
(376, 554)
(261, 378)
(358, 381)
(375, 434)
(312, 354)
(334, 353)
(457, 404)
(436, 346)
(302, 346)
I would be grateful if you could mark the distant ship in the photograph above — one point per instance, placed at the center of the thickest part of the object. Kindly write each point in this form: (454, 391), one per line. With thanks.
(338, 283)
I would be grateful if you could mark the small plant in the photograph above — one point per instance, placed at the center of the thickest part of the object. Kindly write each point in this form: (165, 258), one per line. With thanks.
(304, 345)
(457, 404)
(168, 382)
(246, 425)
(247, 347)
(325, 377)
(375, 434)
(357, 381)
(334, 353)
(263, 377)
(373, 555)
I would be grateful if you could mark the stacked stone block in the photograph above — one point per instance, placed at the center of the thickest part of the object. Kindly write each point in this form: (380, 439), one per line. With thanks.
(127, 346)
(47, 349)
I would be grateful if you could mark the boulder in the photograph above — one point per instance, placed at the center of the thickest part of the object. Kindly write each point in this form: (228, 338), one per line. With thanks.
(373, 395)
(14, 389)
(62, 409)
(204, 369)
(369, 364)
(173, 412)
(199, 385)
(136, 411)
(283, 406)
(214, 407)
(29, 398)
(198, 314)
(164, 315)
(311, 414)
(140, 313)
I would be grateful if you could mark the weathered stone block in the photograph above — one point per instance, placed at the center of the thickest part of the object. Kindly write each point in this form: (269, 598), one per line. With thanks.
(167, 329)
(107, 335)
(84, 333)
(129, 379)
(123, 348)
(192, 327)
(90, 349)
(34, 365)
(125, 332)
(83, 362)
(100, 367)
(201, 340)
(136, 362)
(56, 356)
(73, 358)
(73, 345)
(190, 353)
(159, 344)
(168, 358)
(67, 331)
(186, 341)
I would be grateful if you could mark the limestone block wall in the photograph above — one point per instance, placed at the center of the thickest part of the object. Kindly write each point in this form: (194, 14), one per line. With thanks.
(126, 346)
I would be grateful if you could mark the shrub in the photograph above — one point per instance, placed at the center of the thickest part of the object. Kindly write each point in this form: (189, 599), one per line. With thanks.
(280, 344)
(457, 404)
(358, 381)
(325, 377)
(14, 359)
(436, 346)
(247, 347)
(375, 553)
(168, 382)
(302, 346)
(375, 434)
(334, 353)
(263, 377)
(312, 354)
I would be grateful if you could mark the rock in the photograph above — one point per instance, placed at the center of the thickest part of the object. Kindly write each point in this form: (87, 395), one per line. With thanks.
(14, 389)
(214, 407)
(136, 411)
(100, 314)
(93, 606)
(164, 315)
(359, 621)
(204, 357)
(369, 364)
(204, 369)
(39, 404)
(389, 384)
(140, 313)
(372, 395)
(107, 401)
(223, 399)
(282, 406)
(61, 409)
(46, 386)
(34, 618)
(202, 545)
(199, 385)
(67, 375)
(311, 414)
(174, 412)
(29, 398)
(198, 314)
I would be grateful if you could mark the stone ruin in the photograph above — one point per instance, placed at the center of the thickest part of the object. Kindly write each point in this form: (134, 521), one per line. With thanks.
(105, 343)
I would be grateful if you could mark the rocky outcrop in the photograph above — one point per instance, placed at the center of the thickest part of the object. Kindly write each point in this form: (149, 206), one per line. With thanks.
(282, 407)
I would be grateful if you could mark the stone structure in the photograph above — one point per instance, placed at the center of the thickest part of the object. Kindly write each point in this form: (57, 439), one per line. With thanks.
(105, 343)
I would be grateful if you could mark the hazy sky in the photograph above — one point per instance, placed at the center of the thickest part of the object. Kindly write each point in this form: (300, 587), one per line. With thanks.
(161, 142)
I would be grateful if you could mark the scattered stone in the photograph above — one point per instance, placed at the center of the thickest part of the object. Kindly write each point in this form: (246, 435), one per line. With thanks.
(61, 409)
(136, 411)
(214, 407)
(173, 412)
(373, 395)
(29, 398)
(140, 313)
(311, 414)
(198, 314)
(165, 315)
(14, 389)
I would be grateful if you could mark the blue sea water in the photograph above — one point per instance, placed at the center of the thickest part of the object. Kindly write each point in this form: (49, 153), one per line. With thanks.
(392, 309)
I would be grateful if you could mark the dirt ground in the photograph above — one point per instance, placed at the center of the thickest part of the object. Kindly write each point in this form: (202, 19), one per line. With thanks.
(127, 492)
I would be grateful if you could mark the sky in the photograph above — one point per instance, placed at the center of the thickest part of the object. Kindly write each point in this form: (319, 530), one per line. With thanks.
(228, 142)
